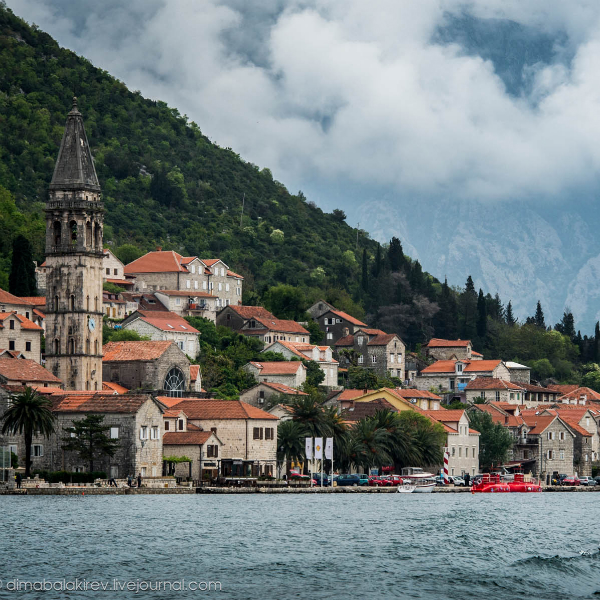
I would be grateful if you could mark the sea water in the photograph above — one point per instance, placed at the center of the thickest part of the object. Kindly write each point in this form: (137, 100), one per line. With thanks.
(433, 547)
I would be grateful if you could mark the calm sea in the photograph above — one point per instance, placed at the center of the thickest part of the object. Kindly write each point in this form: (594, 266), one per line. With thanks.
(324, 546)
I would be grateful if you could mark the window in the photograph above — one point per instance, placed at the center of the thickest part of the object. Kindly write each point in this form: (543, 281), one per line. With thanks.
(11, 344)
(27, 315)
(550, 454)
(174, 383)
(13, 448)
(167, 425)
(180, 425)
(373, 359)
(497, 396)
(181, 345)
(562, 455)
(115, 271)
(37, 450)
(561, 435)
(330, 336)
(143, 473)
(178, 301)
(222, 272)
(204, 285)
(238, 291)
(550, 435)
(460, 452)
(154, 433)
(114, 433)
(220, 287)
(474, 453)
(143, 432)
(188, 284)
(269, 433)
(212, 451)
(193, 268)
(107, 271)
(482, 394)
(453, 450)
(459, 367)
(360, 359)
(195, 285)
(392, 357)
(12, 324)
(257, 433)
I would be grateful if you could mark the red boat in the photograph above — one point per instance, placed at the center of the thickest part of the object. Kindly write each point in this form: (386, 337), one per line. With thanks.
(491, 484)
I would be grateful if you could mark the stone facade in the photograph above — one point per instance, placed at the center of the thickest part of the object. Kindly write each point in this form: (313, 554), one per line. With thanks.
(113, 306)
(337, 324)
(292, 374)
(74, 263)
(205, 462)
(113, 267)
(449, 349)
(195, 304)
(463, 448)
(319, 308)
(519, 373)
(186, 340)
(21, 335)
(455, 377)
(259, 394)
(148, 374)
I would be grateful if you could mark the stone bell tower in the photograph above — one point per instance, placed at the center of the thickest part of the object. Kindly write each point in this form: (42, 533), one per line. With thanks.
(74, 257)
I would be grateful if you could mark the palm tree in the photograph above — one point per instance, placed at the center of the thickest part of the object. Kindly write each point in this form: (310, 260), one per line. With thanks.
(290, 443)
(428, 438)
(402, 443)
(29, 414)
(370, 445)
(309, 412)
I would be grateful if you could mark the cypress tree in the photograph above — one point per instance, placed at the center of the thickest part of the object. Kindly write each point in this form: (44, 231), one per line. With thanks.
(468, 310)
(21, 280)
(539, 316)
(481, 316)
(597, 342)
(395, 255)
(365, 273)
(377, 263)
(510, 319)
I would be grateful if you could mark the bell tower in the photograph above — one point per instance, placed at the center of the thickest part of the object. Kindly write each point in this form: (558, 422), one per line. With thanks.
(74, 257)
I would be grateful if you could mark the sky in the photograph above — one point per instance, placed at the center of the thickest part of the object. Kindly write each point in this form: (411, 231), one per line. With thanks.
(356, 93)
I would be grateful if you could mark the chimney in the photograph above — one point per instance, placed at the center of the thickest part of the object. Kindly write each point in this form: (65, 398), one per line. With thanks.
(159, 248)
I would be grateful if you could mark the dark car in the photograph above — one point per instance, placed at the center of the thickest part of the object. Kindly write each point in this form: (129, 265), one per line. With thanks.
(597, 478)
(326, 479)
(347, 479)
(558, 479)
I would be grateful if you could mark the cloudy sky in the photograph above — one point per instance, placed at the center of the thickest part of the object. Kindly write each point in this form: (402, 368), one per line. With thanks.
(386, 94)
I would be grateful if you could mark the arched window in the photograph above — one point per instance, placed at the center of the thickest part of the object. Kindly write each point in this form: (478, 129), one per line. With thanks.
(72, 302)
(96, 303)
(95, 346)
(57, 233)
(89, 240)
(95, 385)
(87, 346)
(73, 230)
(56, 346)
(97, 236)
(87, 303)
(174, 384)
(56, 303)
(71, 346)
(87, 385)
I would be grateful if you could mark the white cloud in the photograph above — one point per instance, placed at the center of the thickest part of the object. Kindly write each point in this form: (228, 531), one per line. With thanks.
(357, 91)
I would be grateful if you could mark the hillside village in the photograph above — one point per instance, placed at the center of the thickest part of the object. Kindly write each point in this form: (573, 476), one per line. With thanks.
(129, 343)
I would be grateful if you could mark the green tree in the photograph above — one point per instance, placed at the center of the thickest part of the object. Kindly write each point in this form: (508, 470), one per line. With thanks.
(395, 255)
(29, 414)
(510, 319)
(495, 440)
(566, 326)
(121, 335)
(88, 438)
(21, 281)
(127, 253)
(316, 334)
(285, 302)
(365, 272)
(539, 320)
(481, 316)
(290, 442)
(314, 374)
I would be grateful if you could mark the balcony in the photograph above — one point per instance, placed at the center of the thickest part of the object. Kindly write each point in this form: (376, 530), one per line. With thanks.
(524, 441)
(200, 307)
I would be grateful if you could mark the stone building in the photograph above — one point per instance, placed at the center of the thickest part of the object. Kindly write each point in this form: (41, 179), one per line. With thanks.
(259, 394)
(372, 349)
(18, 333)
(454, 375)
(114, 270)
(270, 330)
(22, 306)
(204, 448)
(235, 316)
(448, 349)
(292, 373)
(147, 365)
(113, 306)
(322, 355)
(518, 373)
(248, 434)
(535, 394)
(319, 308)
(168, 270)
(497, 390)
(168, 326)
(194, 304)
(74, 263)
(19, 372)
(337, 324)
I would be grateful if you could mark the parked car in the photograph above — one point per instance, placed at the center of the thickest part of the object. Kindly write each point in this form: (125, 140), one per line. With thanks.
(326, 479)
(572, 481)
(558, 479)
(293, 476)
(386, 481)
(457, 480)
(396, 480)
(587, 480)
(346, 479)
(597, 479)
(364, 479)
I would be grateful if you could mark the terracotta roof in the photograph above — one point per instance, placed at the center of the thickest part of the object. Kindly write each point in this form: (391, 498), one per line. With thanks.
(278, 368)
(289, 345)
(157, 262)
(125, 351)
(407, 394)
(232, 274)
(209, 262)
(536, 388)
(194, 372)
(8, 298)
(501, 416)
(36, 300)
(372, 331)
(382, 340)
(346, 341)
(449, 416)
(441, 366)
(186, 293)
(145, 301)
(360, 410)
(490, 383)
(25, 322)
(352, 394)
(39, 313)
(103, 403)
(562, 389)
(347, 317)
(221, 409)
(109, 385)
(26, 370)
(169, 401)
(185, 438)
(284, 325)
(120, 281)
(538, 423)
(166, 321)
(582, 391)
(482, 365)
(283, 389)
(573, 423)
(473, 353)
(439, 343)
(249, 312)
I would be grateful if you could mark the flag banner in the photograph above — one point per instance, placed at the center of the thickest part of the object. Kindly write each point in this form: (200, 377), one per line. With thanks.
(308, 448)
(319, 448)
(329, 448)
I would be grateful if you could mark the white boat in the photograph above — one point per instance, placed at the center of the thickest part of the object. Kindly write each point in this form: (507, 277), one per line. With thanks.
(416, 481)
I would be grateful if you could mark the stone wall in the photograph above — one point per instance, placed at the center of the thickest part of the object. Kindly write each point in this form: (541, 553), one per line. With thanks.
(463, 448)
(20, 337)
(189, 340)
(446, 353)
(520, 375)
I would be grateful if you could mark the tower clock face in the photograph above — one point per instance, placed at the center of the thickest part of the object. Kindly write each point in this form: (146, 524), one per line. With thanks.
(92, 323)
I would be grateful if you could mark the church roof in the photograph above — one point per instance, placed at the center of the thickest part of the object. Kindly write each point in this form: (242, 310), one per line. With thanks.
(74, 167)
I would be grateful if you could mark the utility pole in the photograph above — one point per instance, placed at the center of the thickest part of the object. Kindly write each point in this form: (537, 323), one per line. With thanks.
(243, 200)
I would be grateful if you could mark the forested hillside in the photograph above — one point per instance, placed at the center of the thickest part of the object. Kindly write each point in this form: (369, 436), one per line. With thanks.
(166, 184)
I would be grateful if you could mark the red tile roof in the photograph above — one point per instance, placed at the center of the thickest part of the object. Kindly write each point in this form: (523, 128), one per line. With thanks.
(372, 331)
(283, 389)
(441, 366)
(382, 340)
(26, 370)
(8, 298)
(490, 383)
(221, 409)
(283, 325)
(347, 317)
(157, 262)
(125, 351)
(582, 391)
(109, 385)
(352, 394)
(448, 416)
(39, 313)
(169, 401)
(473, 353)
(166, 321)
(439, 343)
(278, 368)
(209, 262)
(25, 323)
(536, 388)
(482, 366)
(194, 372)
(346, 341)
(232, 274)
(537, 423)
(36, 300)
(103, 403)
(120, 282)
(562, 389)
(360, 410)
(186, 438)
(249, 312)
(573, 423)
(407, 394)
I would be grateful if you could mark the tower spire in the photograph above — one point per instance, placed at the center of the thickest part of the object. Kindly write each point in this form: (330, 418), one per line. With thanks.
(74, 169)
